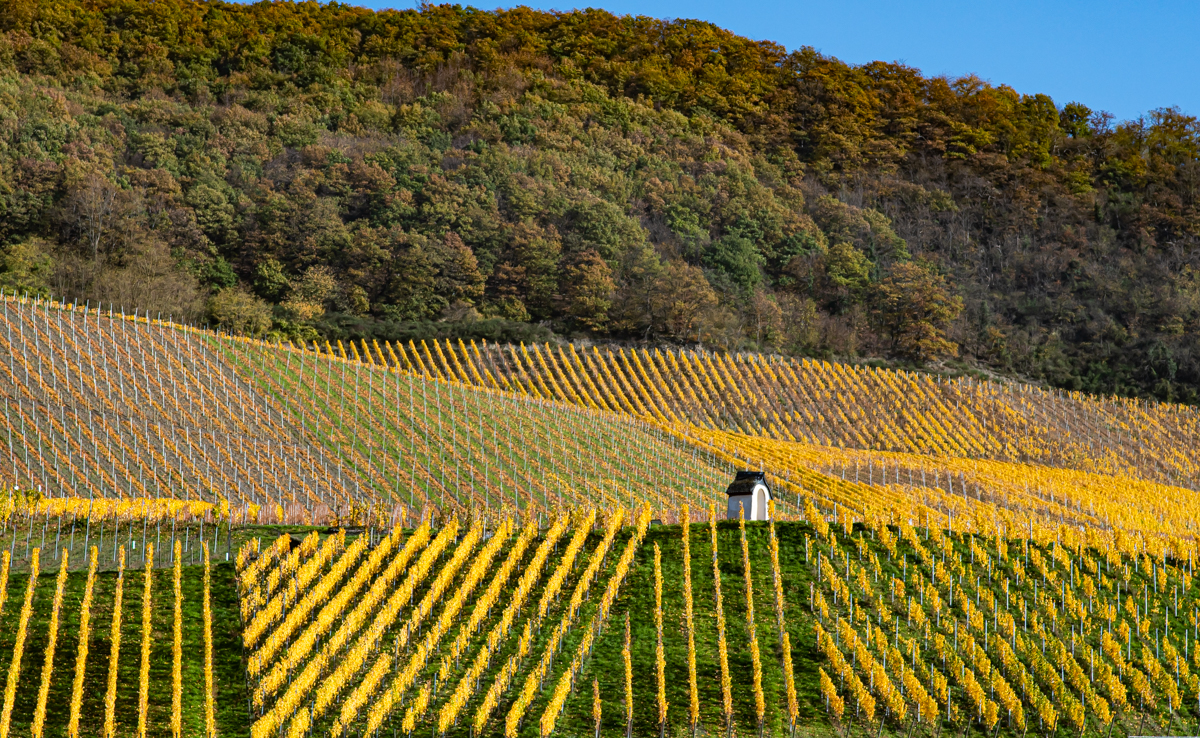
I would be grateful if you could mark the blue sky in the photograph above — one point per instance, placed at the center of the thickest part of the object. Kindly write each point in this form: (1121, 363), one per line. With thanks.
(1123, 57)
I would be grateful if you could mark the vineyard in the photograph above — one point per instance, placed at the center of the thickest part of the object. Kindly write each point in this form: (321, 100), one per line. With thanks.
(593, 625)
(206, 536)
(130, 650)
(137, 408)
(133, 409)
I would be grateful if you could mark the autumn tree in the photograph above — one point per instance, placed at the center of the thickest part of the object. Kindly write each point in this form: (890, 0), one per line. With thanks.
(311, 294)
(27, 267)
(90, 209)
(240, 312)
(912, 307)
(745, 189)
(766, 318)
(683, 301)
(588, 290)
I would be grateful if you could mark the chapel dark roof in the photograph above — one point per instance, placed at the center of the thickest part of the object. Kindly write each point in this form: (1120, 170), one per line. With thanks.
(744, 481)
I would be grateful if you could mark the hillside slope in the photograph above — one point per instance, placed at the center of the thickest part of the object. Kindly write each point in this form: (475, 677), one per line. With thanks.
(945, 555)
(130, 409)
(117, 407)
(831, 404)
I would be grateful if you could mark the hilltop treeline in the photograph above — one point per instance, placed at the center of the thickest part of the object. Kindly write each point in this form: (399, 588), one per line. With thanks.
(297, 168)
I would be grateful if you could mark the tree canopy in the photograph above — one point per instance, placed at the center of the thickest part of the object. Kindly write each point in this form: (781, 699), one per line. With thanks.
(295, 169)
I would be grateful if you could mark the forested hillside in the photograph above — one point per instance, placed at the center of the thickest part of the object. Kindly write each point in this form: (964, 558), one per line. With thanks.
(298, 170)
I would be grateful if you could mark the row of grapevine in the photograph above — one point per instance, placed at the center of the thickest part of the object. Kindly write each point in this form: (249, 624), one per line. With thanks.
(249, 431)
(1046, 631)
(818, 402)
(38, 676)
(483, 629)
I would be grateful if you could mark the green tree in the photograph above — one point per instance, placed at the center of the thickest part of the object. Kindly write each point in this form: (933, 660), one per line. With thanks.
(1076, 120)
(640, 276)
(411, 292)
(458, 274)
(270, 280)
(847, 274)
(735, 258)
(214, 213)
(534, 254)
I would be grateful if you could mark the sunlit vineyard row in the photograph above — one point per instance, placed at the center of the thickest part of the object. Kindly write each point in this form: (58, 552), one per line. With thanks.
(978, 493)
(460, 626)
(1004, 632)
(489, 627)
(87, 652)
